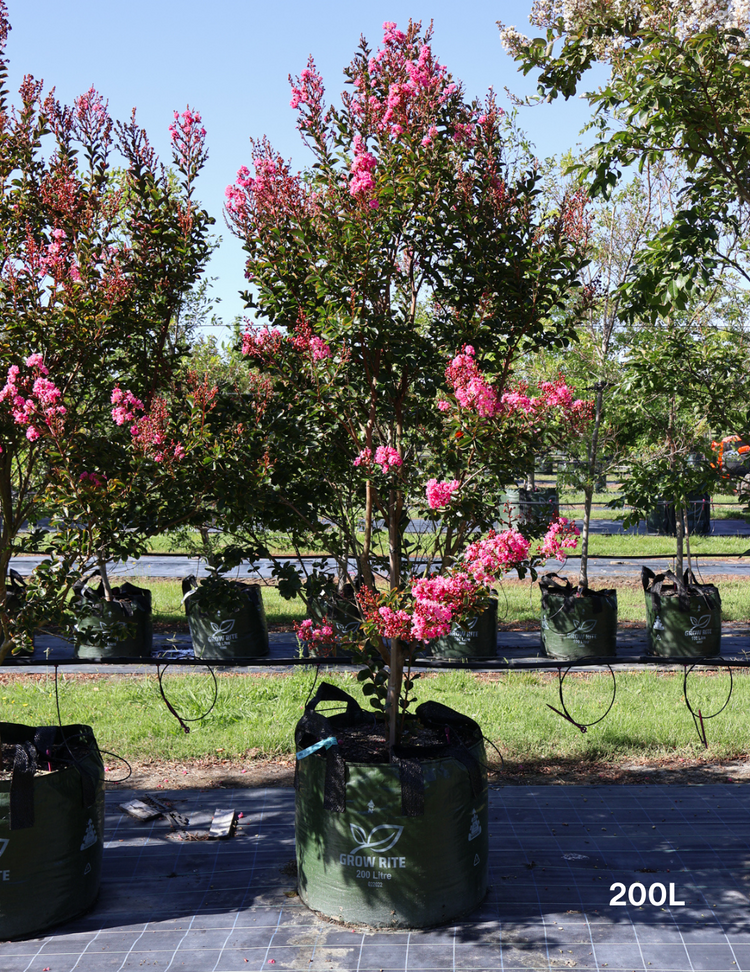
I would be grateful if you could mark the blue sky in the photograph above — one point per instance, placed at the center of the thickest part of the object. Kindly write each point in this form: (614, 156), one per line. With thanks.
(230, 60)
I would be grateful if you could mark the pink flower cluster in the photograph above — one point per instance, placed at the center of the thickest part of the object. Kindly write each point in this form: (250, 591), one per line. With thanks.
(474, 393)
(562, 536)
(262, 342)
(393, 624)
(34, 400)
(188, 140)
(307, 99)
(436, 602)
(55, 253)
(92, 479)
(362, 185)
(469, 385)
(487, 559)
(323, 638)
(125, 404)
(306, 342)
(149, 430)
(415, 84)
(440, 494)
(269, 198)
(386, 457)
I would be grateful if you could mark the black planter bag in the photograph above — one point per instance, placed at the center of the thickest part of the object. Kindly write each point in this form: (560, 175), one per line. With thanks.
(130, 612)
(530, 510)
(226, 633)
(399, 844)
(51, 827)
(15, 593)
(662, 519)
(343, 616)
(474, 638)
(577, 627)
(681, 625)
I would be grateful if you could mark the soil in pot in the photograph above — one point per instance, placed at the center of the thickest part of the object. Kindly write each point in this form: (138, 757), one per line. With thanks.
(236, 629)
(474, 638)
(390, 840)
(120, 628)
(682, 623)
(51, 825)
(577, 625)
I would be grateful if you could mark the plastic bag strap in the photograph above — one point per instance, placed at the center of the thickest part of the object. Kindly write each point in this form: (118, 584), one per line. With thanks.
(647, 575)
(435, 715)
(334, 796)
(17, 583)
(412, 784)
(22, 787)
(81, 584)
(332, 693)
(318, 727)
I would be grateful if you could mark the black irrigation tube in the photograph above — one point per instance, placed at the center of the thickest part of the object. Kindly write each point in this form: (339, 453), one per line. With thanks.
(541, 664)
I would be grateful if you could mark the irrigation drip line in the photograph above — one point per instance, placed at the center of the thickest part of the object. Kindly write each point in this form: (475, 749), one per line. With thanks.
(583, 726)
(699, 718)
(183, 720)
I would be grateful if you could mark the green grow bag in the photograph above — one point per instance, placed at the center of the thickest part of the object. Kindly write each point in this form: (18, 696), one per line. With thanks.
(530, 510)
(129, 612)
(577, 627)
(662, 519)
(475, 638)
(681, 625)
(227, 633)
(391, 844)
(343, 616)
(51, 826)
(15, 593)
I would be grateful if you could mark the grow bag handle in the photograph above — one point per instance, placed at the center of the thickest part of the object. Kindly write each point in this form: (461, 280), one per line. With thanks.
(22, 787)
(332, 693)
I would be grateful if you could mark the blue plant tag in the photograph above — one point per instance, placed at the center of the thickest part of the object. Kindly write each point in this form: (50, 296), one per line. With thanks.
(330, 741)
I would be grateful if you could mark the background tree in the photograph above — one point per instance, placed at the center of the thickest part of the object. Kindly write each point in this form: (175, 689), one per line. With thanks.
(97, 259)
(678, 89)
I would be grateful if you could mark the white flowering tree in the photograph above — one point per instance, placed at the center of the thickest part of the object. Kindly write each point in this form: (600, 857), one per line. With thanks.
(677, 89)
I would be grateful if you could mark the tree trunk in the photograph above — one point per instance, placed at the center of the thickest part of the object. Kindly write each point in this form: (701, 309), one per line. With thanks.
(395, 681)
(687, 540)
(583, 577)
(102, 565)
(679, 544)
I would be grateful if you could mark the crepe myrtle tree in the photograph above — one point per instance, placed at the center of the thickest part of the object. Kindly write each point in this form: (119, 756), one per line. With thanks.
(100, 244)
(394, 283)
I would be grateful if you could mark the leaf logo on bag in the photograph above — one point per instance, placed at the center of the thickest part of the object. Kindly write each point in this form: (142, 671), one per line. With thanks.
(223, 627)
(582, 628)
(700, 625)
(388, 835)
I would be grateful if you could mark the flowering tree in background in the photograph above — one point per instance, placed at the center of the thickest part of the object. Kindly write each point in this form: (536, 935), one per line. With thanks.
(100, 245)
(678, 86)
(395, 283)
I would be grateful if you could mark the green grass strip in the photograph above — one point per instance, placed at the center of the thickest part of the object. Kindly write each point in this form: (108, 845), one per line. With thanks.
(258, 712)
